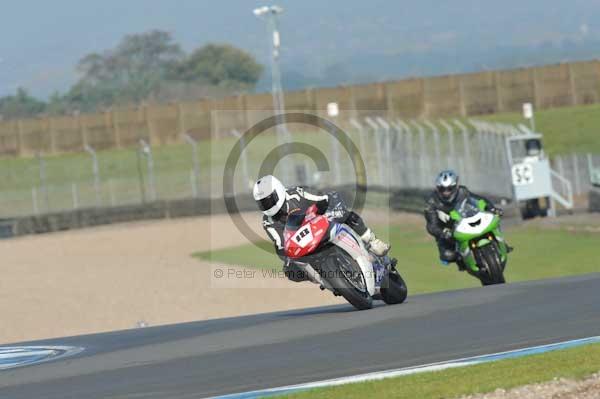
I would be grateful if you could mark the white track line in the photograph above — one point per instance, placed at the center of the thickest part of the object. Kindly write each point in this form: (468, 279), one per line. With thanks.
(17, 356)
(379, 375)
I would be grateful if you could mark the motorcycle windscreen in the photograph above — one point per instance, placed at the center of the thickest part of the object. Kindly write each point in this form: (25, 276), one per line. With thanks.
(468, 208)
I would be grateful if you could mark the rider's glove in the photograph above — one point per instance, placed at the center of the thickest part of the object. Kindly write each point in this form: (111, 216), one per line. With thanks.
(498, 211)
(447, 234)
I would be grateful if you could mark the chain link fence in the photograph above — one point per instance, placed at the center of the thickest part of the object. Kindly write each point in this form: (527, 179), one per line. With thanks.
(397, 154)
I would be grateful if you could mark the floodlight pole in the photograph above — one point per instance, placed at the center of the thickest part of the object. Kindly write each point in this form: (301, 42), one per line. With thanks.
(270, 14)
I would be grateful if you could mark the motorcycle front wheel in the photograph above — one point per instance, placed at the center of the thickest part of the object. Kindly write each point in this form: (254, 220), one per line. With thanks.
(347, 279)
(490, 257)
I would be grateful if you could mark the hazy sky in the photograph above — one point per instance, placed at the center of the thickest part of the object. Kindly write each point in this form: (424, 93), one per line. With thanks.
(44, 39)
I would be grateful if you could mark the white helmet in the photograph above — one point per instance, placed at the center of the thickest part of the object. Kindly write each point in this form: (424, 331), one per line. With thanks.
(269, 194)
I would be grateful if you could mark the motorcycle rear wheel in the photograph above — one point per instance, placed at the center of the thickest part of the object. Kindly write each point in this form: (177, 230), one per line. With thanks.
(393, 288)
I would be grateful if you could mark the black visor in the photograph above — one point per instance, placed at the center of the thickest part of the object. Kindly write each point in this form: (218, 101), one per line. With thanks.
(447, 193)
(268, 202)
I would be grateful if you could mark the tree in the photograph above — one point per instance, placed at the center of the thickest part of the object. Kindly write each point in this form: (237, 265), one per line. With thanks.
(144, 66)
(128, 73)
(219, 65)
(20, 105)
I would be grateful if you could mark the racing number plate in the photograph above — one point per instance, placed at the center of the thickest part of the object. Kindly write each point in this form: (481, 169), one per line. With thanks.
(522, 174)
(303, 237)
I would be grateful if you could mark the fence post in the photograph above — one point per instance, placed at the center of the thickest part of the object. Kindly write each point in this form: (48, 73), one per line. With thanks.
(451, 144)
(388, 150)
(244, 156)
(195, 162)
(111, 192)
(147, 152)
(437, 151)
(399, 155)
(590, 160)
(410, 154)
(422, 153)
(380, 160)
(152, 136)
(34, 200)
(138, 153)
(96, 172)
(361, 140)
(577, 176)
(194, 184)
(561, 170)
(75, 195)
(335, 154)
(468, 163)
(43, 180)
(498, 87)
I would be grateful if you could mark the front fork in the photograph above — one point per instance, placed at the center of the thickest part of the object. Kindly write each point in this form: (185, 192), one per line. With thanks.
(467, 254)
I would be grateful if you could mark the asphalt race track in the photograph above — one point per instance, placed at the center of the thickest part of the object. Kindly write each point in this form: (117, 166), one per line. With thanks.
(201, 359)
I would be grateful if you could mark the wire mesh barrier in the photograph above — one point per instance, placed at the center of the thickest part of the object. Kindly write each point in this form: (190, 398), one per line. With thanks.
(396, 154)
(582, 170)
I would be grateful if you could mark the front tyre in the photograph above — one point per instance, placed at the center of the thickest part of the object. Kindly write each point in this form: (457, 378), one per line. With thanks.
(490, 260)
(393, 288)
(346, 277)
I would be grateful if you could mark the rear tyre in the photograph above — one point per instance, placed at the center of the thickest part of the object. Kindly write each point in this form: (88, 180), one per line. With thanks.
(490, 259)
(346, 277)
(393, 288)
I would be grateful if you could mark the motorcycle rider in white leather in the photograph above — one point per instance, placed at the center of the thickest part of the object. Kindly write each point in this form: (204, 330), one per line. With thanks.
(276, 202)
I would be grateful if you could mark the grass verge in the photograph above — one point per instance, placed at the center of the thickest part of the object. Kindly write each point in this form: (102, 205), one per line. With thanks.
(540, 253)
(569, 363)
(568, 129)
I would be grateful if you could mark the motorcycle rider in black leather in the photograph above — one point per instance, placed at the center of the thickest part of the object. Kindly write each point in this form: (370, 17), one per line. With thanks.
(447, 194)
(277, 202)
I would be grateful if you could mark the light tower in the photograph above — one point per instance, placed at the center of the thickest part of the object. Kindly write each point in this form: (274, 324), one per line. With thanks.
(270, 15)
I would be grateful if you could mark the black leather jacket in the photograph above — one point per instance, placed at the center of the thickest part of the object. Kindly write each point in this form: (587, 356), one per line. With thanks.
(437, 213)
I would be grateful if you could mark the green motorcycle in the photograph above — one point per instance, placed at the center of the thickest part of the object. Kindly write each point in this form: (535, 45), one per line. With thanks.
(483, 251)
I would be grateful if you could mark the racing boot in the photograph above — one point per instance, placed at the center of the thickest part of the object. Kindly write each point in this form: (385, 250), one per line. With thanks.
(374, 244)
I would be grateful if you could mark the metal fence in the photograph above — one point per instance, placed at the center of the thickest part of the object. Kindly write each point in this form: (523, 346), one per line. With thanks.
(565, 84)
(579, 170)
(396, 153)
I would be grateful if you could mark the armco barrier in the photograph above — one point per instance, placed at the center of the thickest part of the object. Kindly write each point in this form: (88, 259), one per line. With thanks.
(406, 200)
(90, 217)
